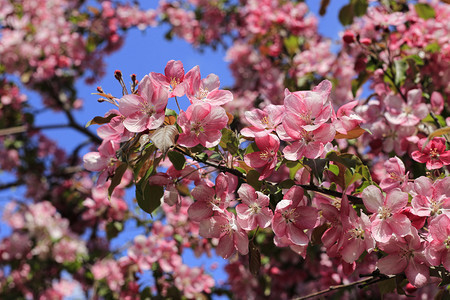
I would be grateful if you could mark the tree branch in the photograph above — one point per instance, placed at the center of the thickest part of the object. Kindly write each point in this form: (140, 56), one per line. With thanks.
(222, 168)
(360, 283)
(25, 128)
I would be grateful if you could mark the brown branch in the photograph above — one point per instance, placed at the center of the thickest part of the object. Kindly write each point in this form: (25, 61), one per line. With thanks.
(25, 128)
(313, 188)
(360, 283)
(9, 185)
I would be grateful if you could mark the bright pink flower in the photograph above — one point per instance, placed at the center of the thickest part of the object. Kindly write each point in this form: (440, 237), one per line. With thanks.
(209, 200)
(405, 114)
(146, 110)
(173, 78)
(265, 160)
(433, 154)
(432, 199)
(437, 102)
(205, 90)
(387, 218)
(263, 120)
(253, 211)
(201, 124)
(293, 215)
(231, 235)
(405, 254)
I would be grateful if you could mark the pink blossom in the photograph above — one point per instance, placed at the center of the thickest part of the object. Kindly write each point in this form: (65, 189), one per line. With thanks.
(205, 90)
(263, 120)
(145, 110)
(310, 144)
(264, 160)
(387, 218)
(405, 114)
(192, 281)
(201, 124)
(231, 235)
(209, 200)
(346, 118)
(433, 154)
(253, 211)
(293, 215)
(405, 254)
(432, 199)
(104, 161)
(438, 250)
(173, 78)
(307, 110)
(395, 177)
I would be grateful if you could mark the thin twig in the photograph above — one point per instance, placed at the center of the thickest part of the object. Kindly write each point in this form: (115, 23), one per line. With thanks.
(360, 283)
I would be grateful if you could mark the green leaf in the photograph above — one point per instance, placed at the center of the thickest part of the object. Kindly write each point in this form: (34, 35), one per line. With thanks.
(177, 159)
(400, 71)
(144, 158)
(117, 177)
(251, 148)
(254, 258)
(387, 286)
(113, 229)
(148, 196)
(349, 160)
(416, 59)
(433, 47)
(360, 7)
(229, 141)
(346, 15)
(334, 169)
(317, 166)
(291, 44)
(425, 11)
(253, 179)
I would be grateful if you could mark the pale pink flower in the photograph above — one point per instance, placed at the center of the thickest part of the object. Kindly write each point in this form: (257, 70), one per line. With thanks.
(146, 110)
(395, 177)
(231, 235)
(263, 120)
(310, 144)
(387, 218)
(307, 110)
(405, 254)
(173, 78)
(432, 199)
(346, 119)
(254, 210)
(209, 199)
(438, 250)
(293, 215)
(192, 281)
(104, 161)
(205, 90)
(405, 114)
(201, 124)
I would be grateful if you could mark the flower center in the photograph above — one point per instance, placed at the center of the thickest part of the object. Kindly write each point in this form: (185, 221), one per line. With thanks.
(197, 128)
(384, 212)
(289, 215)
